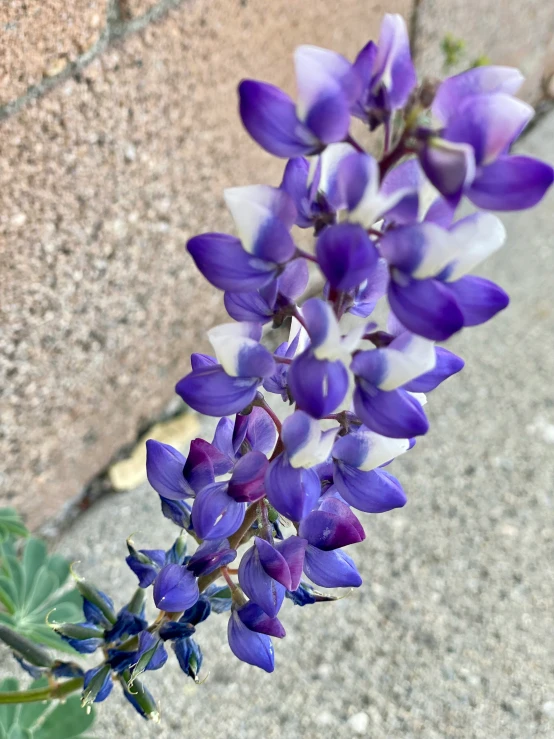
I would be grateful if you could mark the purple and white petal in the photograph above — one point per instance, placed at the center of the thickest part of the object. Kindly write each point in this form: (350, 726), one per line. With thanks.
(406, 357)
(249, 646)
(327, 87)
(215, 515)
(331, 569)
(366, 450)
(489, 123)
(305, 442)
(371, 291)
(292, 492)
(511, 183)
(226, 265)
(393, 67)
(212, 392)
(261, 433)
(329, 183)
(269, 116)
(427, 308)
(421, 250)
(263, 216)
(164, 469)
(477, 81)
(477, 236)
(478, 299)
(372, 492)
(447, 364)
(396, 413)
(238, 351)
(449, 167)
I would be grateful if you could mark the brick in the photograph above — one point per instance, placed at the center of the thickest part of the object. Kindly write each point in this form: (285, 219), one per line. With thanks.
(38, 39)
(507, 31)
(101, 183)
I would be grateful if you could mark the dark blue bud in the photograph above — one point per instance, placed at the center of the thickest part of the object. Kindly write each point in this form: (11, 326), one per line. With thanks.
(189, 656)
(176, 630)
(34, 672)
(177, 511)
(141, 699)
(198, 612)
(97, 685)
(66, 669)
(127, 624)
(145, 563)
(305, 595)
(178, 552)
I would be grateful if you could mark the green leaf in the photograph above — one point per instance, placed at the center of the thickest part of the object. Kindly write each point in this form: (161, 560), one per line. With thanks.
(8, 594)
(66, 721)
(15, 572)
(59, 567)
(16, 732)
(34, 557)
(30, 590)
(11, 524)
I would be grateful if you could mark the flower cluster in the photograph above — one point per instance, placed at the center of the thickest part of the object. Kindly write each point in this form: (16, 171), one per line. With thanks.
(308, 428)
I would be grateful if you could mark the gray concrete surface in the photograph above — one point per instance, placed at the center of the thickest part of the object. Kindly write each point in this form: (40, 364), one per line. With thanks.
(451, 634)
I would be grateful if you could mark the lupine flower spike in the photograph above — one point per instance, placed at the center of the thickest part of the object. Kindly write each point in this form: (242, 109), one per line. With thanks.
(307, 431)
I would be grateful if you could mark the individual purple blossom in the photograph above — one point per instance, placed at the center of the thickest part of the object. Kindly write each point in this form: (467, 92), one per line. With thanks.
(231, 385)
(267, 571)
(175, 588)
(210, 555)
(219, 509)
(387, 72)
(358, 457)
(327, 88)
(481, 120)
(249, 632)
(430, 291)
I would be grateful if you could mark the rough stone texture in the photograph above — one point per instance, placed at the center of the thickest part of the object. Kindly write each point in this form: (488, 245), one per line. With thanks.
(39, 37)
(101, 183)
(513, 33)
(135, 8)
(450, 636)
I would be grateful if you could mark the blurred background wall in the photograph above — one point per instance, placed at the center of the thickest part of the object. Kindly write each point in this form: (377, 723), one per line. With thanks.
(119, 130)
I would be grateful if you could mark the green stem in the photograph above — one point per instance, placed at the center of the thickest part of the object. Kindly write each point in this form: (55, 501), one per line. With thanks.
(50, 692)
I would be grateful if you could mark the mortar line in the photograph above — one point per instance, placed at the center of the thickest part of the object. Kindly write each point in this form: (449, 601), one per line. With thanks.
(115, 29)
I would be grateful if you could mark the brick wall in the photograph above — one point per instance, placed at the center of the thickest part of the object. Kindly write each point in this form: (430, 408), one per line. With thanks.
(119, 132)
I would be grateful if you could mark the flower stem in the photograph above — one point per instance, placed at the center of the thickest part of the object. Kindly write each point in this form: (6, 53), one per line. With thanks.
(50, 692)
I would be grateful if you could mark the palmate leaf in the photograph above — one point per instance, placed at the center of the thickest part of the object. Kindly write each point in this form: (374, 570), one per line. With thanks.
(31, 588)
(42, 720)
(11, 524)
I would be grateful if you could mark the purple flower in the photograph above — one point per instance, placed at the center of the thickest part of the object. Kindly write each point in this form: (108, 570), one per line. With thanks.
(249, 632)
(327, 88)
(481, 121)
(210, 555)
(331, 526)
(429, 290)
(387, 72)
(228, 387)
(331, 568)
(175, 589)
